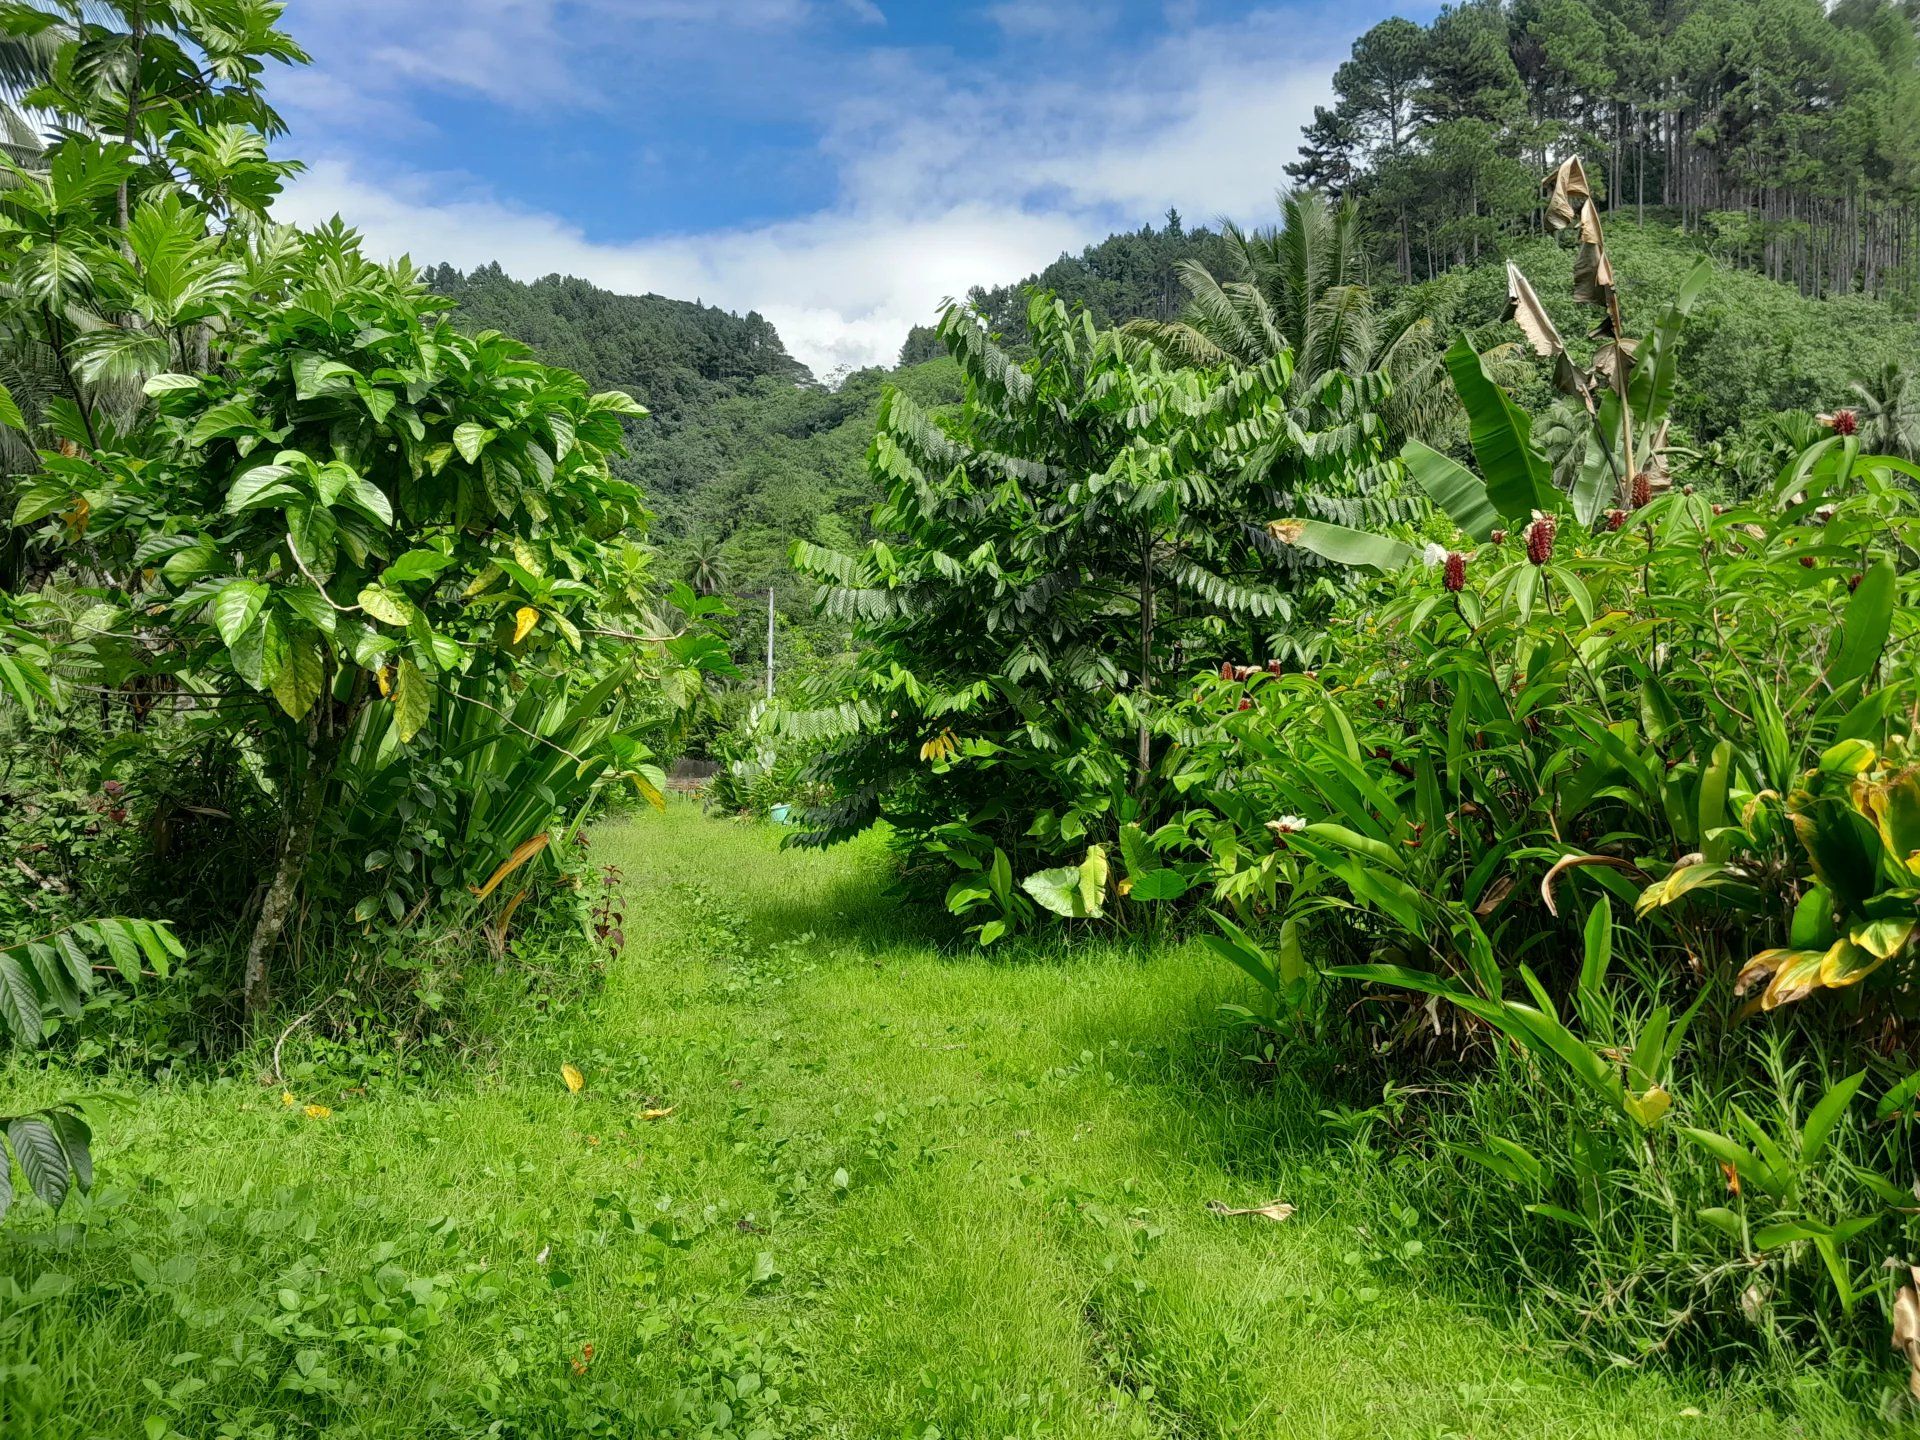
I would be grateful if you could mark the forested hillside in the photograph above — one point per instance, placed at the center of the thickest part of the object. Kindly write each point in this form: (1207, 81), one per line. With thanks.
(1132, 275)
(1788, 129)
(743, 451)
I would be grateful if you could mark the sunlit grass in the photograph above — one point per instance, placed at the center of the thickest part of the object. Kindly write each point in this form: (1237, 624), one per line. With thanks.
(898, 1188)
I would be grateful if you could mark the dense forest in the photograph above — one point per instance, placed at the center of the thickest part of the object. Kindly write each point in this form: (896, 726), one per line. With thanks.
(1786, 129)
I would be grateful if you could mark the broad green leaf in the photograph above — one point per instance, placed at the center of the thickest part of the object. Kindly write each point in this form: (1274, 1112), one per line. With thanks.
(236, 609)
(42, 1160)
(301, 675)
(169, 383)
(1158, 885)
(619, 403)
(470, 439)
(388, 606)
(1057, 890)
(415, 565)
(1518, 479)
(261, 486)
(261, 651)
(1093, 879)
(1868, 622)
(1454, 488)
(1344, 545)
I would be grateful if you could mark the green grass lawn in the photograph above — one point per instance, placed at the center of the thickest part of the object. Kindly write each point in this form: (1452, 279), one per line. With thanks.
(899, 1193)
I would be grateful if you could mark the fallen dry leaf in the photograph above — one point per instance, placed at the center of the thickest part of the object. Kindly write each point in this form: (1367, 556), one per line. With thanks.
(657, 1114)
(575, 1080)
(317, 1112)
(1273, 1210)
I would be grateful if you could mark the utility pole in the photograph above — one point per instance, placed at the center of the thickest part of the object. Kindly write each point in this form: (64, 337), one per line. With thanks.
(769, 642)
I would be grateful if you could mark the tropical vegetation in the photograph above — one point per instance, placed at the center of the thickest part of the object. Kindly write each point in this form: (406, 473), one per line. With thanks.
(1315, 824)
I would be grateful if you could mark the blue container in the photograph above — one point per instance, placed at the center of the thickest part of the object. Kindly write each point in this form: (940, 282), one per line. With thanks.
(779, 814)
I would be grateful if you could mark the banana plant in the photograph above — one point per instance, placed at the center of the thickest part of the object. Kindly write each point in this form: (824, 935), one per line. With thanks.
(1627, 393)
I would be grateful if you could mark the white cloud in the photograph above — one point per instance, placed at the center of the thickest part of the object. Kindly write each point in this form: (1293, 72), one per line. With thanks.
(949, 173)
(842, 289)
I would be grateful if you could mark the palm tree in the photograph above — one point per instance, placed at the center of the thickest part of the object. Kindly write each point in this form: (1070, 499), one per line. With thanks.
(1301, 288)
(707, 565)
(1889, 412)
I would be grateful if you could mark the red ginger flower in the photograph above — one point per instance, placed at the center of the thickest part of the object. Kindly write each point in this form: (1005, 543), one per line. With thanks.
(1642, 490)
(1539, 538)
(1842, 422)
(1455, 575)
(1616, 518)
(1498, 537)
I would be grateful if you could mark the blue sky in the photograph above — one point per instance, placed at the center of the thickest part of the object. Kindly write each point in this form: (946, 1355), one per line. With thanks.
(839, 165)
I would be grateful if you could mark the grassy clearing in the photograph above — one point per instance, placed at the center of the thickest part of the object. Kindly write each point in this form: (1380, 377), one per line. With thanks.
(897, 1190)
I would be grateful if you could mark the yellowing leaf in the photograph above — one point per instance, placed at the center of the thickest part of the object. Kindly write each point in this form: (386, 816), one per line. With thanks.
(658, 1114)
(383, 677)
(522, 853)
(412, 698)
(524, 619)
(387, 605)
(1272, 1210)
(301, 676)
(571, 1074)
(1648, 1108)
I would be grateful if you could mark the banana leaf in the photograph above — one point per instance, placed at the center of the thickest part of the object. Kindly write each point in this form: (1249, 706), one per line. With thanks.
(1518, 478)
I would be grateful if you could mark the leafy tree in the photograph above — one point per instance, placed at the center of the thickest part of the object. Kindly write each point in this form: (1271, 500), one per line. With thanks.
(1049, 560)
(366, 549)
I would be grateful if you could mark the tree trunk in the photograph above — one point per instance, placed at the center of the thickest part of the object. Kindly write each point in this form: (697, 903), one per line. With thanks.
(296, 844)
(1145, 758)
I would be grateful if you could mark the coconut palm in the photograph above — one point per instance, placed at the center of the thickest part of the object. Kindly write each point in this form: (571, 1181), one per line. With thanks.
(707, 566)
(1889, 412)
(1301, 288)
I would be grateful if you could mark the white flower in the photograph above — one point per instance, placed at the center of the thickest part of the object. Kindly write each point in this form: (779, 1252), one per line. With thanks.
(1434, 554)
(1288, 824)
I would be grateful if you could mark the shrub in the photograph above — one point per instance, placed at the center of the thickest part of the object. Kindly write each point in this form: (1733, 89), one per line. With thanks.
(1590, 815)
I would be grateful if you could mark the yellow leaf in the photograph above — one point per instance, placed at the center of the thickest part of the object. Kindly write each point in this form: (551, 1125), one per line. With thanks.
(657, 1114)
(524, 619)
(317, 1112)
(412, 699)
(522, 853)
(383, 677)
(571, 1074)
(1273, 1210)
(1650, 1107)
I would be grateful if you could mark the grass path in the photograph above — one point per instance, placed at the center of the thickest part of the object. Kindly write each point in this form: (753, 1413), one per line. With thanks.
(900, 1194)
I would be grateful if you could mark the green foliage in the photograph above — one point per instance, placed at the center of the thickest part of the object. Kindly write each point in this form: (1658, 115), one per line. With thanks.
(356, 551)
(53, 1148)
(1683, 717)
(1047, 559)
(1784, 125)
(54, 971)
